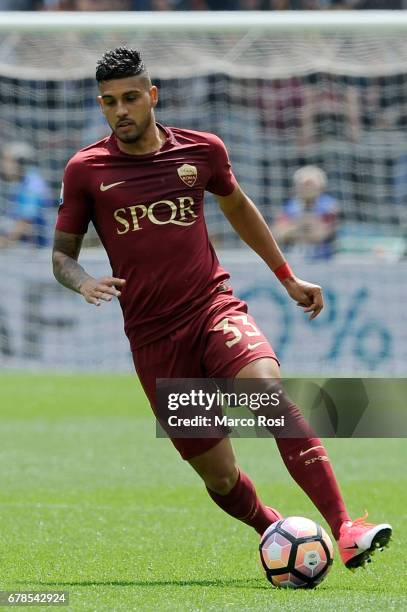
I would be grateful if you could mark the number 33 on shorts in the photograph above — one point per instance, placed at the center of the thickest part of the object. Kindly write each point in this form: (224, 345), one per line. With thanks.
(238, 327)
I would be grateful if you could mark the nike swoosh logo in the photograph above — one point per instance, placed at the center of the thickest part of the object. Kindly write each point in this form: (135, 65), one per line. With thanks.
(253, 346)
(351, 547)
(309, 450)
(106, 187)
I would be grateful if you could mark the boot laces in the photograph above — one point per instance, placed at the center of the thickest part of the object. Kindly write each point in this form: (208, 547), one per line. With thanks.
(361, 521)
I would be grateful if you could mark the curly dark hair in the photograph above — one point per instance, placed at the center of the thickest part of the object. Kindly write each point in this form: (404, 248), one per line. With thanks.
(119, 64)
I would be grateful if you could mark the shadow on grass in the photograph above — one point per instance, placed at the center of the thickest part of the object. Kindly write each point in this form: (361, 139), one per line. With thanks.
(237, 584)
(254, 584)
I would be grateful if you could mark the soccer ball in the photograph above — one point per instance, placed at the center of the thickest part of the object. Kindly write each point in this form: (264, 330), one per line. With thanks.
(296, 553)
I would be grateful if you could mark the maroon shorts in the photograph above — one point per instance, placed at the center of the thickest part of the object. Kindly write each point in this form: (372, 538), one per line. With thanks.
(217, 343)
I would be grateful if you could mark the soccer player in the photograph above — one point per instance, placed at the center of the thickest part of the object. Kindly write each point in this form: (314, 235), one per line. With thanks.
(143, 188)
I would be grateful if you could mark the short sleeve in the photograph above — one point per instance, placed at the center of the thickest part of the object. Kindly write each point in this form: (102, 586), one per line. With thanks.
(222, 181)
(75, 206)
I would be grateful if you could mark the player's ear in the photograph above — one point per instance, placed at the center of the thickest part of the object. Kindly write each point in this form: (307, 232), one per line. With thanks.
(154, 95)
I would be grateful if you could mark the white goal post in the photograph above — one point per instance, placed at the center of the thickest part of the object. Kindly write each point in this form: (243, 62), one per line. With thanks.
(214, 21)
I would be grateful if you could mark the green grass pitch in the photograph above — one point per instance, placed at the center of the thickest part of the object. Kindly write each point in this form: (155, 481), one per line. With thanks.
(92, 503)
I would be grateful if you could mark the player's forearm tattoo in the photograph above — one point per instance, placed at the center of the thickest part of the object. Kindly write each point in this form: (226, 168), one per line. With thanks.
(66, 268)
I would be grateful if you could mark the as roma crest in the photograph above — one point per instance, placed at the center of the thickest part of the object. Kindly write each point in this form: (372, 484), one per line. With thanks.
(188, 174)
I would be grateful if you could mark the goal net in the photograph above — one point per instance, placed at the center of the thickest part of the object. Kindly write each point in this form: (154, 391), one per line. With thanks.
(282, 91)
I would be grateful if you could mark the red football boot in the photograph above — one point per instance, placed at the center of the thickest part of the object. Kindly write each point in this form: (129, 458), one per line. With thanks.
(358, 540)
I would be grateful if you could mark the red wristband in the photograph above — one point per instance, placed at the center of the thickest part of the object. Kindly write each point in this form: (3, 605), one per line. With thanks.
(284, 271)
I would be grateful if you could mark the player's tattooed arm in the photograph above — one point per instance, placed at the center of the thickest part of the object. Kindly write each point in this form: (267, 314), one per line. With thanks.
(70, 273)
(65, 264)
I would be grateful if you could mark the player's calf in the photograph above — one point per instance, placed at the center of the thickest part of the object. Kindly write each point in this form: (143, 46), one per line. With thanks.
(231, 489)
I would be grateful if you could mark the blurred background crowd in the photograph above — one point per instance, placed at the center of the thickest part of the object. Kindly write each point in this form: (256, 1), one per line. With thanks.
(321, 155)
(213, 5)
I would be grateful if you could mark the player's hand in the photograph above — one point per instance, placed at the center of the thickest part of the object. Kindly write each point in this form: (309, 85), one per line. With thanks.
(94, 290)
(308, 296)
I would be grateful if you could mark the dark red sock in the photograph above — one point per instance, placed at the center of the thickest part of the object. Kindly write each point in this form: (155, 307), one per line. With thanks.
(243, 504)
(308, 463)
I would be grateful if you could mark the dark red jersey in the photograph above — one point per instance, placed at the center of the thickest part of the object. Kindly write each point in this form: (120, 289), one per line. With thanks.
(148, 212)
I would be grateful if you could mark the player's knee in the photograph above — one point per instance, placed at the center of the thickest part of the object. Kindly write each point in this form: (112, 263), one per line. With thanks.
(223, 481)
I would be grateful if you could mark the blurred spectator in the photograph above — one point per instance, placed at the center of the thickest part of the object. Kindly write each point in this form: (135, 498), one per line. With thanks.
(195, 5)
(260, 5)
(332, 109)
(17, 5)
(250, 5)
(321, 5)
(281, 5)
(272, 5)
(310, 217)
(162, 5)
(283, 109)
(56, 5)
(379, 4)
(86, 5)
(102, 5)
(25, 195)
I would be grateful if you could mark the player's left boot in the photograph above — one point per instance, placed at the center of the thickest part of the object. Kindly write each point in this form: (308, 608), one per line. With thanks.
(358, 540)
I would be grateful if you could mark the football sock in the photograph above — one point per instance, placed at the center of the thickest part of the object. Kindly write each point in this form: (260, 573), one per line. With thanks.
(243, 504)
(308, 463)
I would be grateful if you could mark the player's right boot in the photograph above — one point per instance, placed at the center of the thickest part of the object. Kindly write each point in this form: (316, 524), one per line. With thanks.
(358, 540)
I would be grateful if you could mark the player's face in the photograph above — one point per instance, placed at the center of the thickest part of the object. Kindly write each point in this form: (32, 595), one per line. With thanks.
(128, 106)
